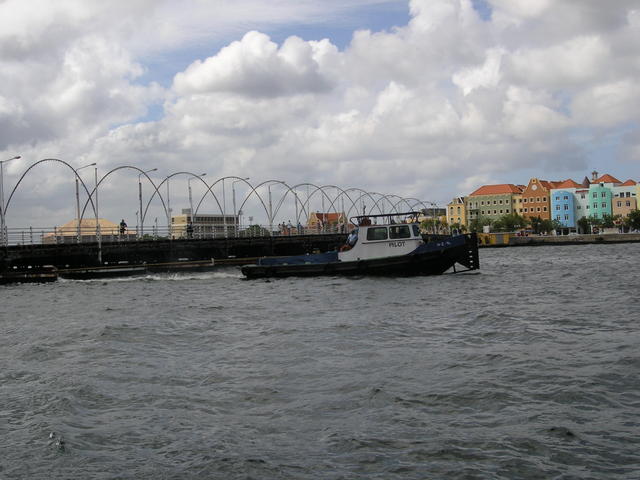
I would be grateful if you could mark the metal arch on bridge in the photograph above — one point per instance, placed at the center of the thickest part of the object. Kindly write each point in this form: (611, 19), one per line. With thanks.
(75, 172)
(123, 167)
(376, 204)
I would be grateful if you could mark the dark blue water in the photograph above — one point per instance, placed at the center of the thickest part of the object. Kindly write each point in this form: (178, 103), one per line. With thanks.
(529, 369)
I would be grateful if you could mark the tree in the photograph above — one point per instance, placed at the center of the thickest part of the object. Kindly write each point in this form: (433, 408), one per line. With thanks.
(607, 220)
(476, 224)
(255, 231)
(587, 224)
(536, 224)
(509, 223)
(633, 220)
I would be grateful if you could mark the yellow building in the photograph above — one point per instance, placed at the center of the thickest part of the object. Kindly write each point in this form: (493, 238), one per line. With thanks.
(456, 212)
(326, 221)
(68, 233)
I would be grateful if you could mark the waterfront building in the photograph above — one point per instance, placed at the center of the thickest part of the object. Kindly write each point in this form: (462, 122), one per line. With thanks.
(491, 201)
(517, 200)
(319, 221)
(599, 200)
(456, 212)
(564, 203)
(68, 233)
(625, 198)
(536, 199)
(203, 225)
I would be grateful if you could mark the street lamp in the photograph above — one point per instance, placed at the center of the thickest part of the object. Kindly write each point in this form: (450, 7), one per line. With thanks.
(3, 227)
(193, 218)
(233, 191)
(140, 199)
(78, 236)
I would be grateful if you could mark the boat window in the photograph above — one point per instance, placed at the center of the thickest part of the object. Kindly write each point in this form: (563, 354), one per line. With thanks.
(416, 230)
(400, 231)
(377, 233)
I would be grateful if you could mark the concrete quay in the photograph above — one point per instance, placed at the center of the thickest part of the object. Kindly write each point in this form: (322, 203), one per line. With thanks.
(489, 240)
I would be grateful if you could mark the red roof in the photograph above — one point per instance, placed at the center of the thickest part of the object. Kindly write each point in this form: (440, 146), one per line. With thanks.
(503, 188)
(606, 178)
(549, 185)
(328, 217)
(568, 183)
(628, 183)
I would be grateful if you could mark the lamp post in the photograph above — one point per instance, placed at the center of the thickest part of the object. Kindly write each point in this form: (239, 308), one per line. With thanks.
(193, 218)
(270, 212)
(98, 233)
(140, 199)
(235, 214)
(3, 227)
(78, 233)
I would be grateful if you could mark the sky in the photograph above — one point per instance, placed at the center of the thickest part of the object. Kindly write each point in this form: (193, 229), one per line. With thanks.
(427, 99)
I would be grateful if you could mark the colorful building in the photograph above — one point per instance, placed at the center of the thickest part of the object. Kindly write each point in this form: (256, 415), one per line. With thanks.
(536, 199)
(625, 198)
(456, 212)
(491, 201)
(564, 203)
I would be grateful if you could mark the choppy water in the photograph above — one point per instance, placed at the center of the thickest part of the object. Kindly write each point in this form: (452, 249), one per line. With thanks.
(529, 369)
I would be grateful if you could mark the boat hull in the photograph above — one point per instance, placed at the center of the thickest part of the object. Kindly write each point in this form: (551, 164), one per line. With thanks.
(433, 259)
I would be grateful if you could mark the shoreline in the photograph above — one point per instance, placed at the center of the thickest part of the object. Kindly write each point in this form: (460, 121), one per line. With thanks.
(501, 240)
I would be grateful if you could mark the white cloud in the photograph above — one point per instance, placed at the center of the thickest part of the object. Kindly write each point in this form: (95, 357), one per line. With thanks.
(255, 66)
(430, 109)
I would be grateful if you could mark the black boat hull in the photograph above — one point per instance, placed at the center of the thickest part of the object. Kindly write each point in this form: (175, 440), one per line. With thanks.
(433, 261)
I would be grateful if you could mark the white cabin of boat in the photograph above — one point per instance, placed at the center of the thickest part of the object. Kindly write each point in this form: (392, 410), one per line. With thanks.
(390, 238)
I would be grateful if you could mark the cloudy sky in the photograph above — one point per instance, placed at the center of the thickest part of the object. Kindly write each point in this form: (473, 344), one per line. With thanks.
(426, 98)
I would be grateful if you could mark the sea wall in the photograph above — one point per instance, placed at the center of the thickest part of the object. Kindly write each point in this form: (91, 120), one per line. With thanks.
(512, 240)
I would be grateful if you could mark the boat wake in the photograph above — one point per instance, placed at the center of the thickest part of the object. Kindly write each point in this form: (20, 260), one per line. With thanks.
(164, 277)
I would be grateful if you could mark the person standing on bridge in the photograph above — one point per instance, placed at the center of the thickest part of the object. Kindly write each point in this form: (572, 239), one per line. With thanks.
(123, 227)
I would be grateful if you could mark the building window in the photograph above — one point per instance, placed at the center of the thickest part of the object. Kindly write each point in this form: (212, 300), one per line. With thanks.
(566, 207)
(525, 210)
(558, 217)
(544, 209)
(604, 195)
(530, 199)
(458, 210)
(582, 195)
(628, 194)
(495, 212)
(595, 205)
(628, 203)
(523, 200)
(566, 217)
(619, 204)
(579, 207)
(558, 207)
(495, 202)
(538, 209)
(595, 194)
(482, 202)
(604, 205)
(507, 210)
(566, 197)
(558, 197)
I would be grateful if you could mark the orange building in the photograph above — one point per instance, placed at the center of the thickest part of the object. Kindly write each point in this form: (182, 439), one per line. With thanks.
(536, 199)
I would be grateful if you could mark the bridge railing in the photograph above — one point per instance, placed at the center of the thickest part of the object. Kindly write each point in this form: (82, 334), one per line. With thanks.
(58, 235)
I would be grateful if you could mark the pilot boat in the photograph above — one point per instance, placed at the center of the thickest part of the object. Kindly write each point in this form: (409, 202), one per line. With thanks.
(379, 245)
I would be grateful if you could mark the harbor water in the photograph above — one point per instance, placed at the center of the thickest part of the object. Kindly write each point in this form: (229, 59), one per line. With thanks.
(528, 369)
